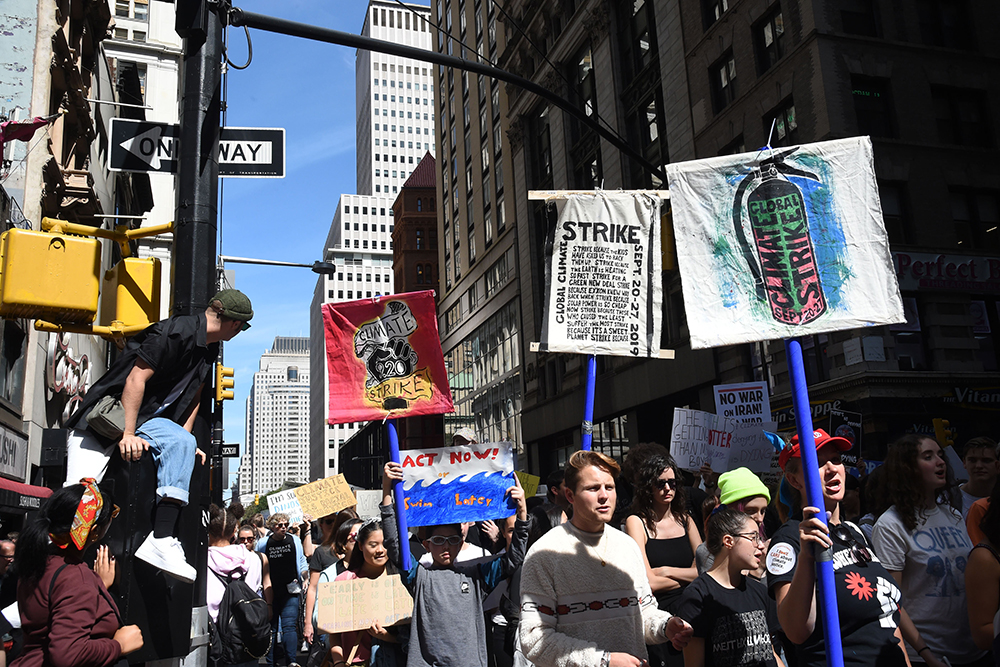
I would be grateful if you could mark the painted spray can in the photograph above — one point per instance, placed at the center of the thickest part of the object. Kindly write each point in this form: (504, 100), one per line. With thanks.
(788, 263)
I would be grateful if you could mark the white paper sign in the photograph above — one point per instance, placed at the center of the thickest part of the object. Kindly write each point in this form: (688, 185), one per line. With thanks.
(743, 402)
(782, 243)
(699, 437)
(368, 502)
(604, 279)
(285, 502)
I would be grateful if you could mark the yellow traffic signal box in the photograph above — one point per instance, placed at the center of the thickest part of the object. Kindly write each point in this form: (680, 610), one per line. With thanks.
(131, 292)
(223, 383)
(49, 276)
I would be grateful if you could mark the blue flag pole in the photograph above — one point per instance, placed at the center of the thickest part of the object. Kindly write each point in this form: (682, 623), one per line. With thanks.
(587, 429)
(826, 590)
(397, 495)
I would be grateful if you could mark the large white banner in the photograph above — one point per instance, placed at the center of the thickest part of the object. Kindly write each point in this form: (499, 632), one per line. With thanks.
(782, 243)
(604, 278)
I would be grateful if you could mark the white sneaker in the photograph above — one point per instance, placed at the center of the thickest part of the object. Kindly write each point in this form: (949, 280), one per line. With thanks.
(167, 554)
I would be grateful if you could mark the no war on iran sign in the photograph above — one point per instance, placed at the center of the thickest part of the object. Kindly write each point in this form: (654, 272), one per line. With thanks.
(457, 484)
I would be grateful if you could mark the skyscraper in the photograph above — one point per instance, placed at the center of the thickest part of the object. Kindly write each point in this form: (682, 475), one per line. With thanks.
(278, 419)
(395, 121)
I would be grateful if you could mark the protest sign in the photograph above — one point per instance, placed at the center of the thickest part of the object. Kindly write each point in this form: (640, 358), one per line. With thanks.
(285, 502)
(384, 359)
(604, 279)
(357, 603)
(457, 484)
(368, 502)
(317, 499)
(528, 482)
(782, 243)
(699, 437)
(744, 402)
(847, 425)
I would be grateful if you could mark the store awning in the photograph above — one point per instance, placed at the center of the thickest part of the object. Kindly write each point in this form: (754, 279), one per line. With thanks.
(22, 496)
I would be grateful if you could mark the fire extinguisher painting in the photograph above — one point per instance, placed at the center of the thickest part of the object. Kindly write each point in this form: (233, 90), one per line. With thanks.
(782, 255)
(783, 242)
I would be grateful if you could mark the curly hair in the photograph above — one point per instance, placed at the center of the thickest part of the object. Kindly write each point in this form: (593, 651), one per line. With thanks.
(903, 482)
(642, 502)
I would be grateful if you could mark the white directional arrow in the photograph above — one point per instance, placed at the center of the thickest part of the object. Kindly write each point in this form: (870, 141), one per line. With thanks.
(151, 147)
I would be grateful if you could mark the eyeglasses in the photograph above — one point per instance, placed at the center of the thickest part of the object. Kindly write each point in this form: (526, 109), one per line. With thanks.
(115, 510)
(754, 538)
(858, 550)
(353, 537)
(661, 483)
(441, 540)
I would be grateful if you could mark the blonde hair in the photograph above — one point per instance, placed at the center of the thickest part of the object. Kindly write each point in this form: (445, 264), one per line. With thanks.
(584, 459)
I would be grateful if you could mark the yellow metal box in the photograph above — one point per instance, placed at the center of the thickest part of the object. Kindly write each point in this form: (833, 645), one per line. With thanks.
(46, 276)
(131, 292)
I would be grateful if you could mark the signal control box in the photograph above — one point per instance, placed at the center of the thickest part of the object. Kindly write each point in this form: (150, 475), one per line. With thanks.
(131, 292)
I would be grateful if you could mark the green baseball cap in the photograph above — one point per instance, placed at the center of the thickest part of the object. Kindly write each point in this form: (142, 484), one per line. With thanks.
(235, 305)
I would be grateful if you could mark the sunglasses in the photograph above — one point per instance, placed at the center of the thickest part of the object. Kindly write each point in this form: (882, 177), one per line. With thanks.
(281, 525)
(441, 540)
(858, 550)
(353, 537)
(248, 539)
(661, 483)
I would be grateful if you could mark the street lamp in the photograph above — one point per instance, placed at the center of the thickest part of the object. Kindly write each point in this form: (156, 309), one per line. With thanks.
(322, 268)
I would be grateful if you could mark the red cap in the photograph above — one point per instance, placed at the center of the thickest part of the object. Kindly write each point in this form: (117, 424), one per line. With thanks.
(822, 438)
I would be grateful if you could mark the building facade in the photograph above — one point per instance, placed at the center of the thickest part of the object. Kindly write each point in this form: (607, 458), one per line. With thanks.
(277, 438)
(479, 311)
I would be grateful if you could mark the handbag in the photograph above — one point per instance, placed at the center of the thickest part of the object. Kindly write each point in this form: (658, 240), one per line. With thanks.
(107, 418)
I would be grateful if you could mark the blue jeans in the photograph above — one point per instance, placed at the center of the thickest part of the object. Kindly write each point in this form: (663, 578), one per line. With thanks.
(288, 615)
(173, 451)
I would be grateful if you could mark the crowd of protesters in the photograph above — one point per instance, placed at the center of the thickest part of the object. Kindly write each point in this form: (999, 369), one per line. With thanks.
(698, 570)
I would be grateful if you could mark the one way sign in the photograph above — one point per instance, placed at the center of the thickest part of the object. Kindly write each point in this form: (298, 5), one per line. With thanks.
(244, 152)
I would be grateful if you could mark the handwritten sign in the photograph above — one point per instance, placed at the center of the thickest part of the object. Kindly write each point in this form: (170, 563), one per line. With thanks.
(457, 484)
(368, 502)
(845, 424)
(743, 402)
(356, 604)
(529, 483)
(698, 437)
(319, 498)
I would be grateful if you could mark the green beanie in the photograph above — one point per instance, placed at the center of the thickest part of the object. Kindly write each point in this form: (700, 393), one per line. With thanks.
(738, 484)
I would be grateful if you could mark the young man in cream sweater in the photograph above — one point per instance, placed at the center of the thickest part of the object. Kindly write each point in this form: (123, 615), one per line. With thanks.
(585, 599)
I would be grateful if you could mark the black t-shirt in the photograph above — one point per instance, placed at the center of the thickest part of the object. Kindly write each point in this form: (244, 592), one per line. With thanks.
(177, 350)
(867, 601)
(281, 560)
(322, 558)
(734, 622)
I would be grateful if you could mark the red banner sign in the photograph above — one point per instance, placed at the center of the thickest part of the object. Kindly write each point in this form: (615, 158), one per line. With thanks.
(384, 358)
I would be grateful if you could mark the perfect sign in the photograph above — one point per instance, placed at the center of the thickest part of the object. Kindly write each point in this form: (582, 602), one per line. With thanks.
(244, 152)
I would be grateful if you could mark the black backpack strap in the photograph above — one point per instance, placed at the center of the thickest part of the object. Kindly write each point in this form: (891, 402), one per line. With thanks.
(52, 581)
(227, 579)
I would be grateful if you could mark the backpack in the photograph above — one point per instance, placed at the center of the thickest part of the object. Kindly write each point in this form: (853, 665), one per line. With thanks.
(242, 631)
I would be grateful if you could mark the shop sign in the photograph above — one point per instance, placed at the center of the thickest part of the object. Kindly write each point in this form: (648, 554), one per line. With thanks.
(29, 502)
(975, 397)
(13, 454)
(65, 374)
(785, 417)
(944, 272)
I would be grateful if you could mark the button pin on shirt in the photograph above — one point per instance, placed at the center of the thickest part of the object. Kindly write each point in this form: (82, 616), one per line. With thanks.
(465, 587)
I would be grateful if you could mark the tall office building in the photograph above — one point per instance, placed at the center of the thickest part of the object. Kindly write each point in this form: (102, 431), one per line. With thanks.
(395, 99)
(395, 121)
(277, 437)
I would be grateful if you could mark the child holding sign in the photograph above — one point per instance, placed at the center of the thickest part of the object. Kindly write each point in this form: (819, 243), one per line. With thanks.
(448, 626)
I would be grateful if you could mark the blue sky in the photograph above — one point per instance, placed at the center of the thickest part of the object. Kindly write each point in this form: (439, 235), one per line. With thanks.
(308, 89)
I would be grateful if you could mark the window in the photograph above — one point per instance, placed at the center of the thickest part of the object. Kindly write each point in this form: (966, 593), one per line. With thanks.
(734, 147)
(769, 37)
(872, 106)
(723, 80)
(894, 210)
(945, 23)
(420, 239)
(585, 148)
(540, 150)
(713, 10)
(645, 125)
(785, 125)
(961, 117)
(910, 345)
(858, 17)
(977, 216)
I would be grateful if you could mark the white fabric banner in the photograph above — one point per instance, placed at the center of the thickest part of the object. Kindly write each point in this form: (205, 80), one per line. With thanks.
(782, 243)
(605, 293)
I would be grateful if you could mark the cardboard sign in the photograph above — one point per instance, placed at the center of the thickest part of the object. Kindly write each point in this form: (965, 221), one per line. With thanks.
(317, 499)
(368, 502)
(744, 402)
(699, 437)
(604, 280)
(844, 424)
(782, 243)
(528, 482)
(356, 604)
(457, 484)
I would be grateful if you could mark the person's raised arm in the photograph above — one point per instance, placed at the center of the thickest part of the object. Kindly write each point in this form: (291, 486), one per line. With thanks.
(392, 540)
(496, 570)
(132, 446)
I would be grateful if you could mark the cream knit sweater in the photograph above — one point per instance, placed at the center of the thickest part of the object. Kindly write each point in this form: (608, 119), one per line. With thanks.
(573, 608)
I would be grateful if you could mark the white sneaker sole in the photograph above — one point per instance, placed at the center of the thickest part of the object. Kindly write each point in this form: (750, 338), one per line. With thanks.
(146, 552)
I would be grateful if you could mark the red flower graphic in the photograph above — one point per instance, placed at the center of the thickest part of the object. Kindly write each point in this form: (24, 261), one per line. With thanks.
(859, 586)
